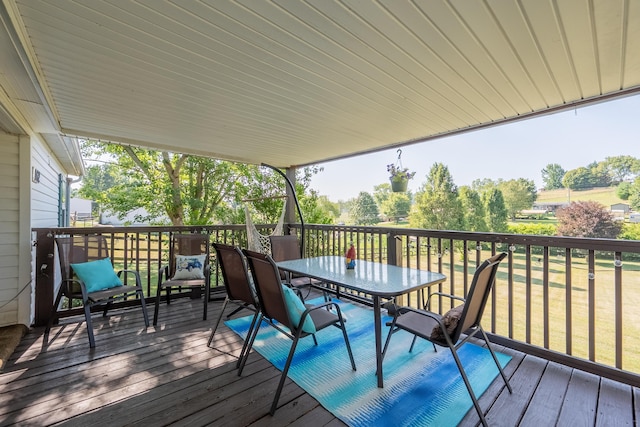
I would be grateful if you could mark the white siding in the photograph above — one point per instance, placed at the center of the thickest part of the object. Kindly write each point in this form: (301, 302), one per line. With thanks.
(44, 195)
(43, 204)
(9, 227)
(23, 204)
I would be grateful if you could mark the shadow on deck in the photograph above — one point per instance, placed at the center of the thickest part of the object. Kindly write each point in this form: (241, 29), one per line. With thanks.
(168, 376)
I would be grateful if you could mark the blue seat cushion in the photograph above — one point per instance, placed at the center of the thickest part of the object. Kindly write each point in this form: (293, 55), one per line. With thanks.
(97, 275)
(296, 307)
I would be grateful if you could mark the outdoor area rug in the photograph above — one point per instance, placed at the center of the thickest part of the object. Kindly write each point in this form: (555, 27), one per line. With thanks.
(422, 388)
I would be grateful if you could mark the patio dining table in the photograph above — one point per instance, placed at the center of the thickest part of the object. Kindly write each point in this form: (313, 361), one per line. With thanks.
(373, 278)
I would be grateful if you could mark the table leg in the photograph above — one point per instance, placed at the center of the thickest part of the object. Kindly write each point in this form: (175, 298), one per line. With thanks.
(377, 322)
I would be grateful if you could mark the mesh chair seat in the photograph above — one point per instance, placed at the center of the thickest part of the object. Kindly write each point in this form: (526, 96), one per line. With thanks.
(239, 288)
(433, 327)
(273, 309)
(78, 249)
(193, 244)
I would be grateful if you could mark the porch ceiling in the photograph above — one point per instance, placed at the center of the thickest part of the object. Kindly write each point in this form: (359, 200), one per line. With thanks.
(291, 82)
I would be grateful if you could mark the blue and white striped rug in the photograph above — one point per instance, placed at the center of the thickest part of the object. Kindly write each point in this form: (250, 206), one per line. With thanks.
(422, 388)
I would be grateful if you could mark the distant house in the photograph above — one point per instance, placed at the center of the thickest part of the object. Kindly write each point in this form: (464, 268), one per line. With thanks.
(550, 206)
(80, 209)
(131, 218)
(624, 207)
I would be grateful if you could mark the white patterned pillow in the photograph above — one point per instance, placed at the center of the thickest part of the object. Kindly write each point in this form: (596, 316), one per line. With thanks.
(189, 267)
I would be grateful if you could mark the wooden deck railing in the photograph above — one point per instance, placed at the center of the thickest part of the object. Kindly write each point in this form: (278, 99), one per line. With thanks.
(573, 298)
(144, 249)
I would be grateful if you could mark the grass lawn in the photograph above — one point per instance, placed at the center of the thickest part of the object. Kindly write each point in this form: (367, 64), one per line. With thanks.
(605, 195)
(557, 299)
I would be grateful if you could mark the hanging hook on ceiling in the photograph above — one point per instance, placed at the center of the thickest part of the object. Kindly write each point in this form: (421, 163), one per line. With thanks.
(399, 153)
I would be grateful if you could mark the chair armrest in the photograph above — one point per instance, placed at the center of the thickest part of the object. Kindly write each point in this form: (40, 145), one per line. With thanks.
(318, 307)
(442, 294)
(136, 275)
(163, 272)
(434, 316)
(296, 290)
(66, 283)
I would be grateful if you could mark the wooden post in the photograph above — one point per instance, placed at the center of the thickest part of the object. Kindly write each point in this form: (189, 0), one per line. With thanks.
(290, 214)
(44, 293)
(394, 250)
(394, 257)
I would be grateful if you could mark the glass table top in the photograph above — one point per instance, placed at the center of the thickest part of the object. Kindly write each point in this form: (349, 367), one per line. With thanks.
(371, 277)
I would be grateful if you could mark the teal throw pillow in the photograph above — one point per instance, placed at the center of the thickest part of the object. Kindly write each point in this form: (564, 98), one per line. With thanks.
(296, 307)
(97, 275)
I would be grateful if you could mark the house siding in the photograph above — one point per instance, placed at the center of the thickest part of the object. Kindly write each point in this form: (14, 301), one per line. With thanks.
(9, 227)
(45, 194)
(23, 204)
(43, 206)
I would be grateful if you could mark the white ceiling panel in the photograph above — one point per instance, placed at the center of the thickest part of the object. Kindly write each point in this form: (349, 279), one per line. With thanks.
(292, 82)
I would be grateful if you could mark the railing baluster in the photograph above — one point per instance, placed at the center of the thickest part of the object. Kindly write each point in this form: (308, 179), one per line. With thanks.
(452, 270)
(592, 305)
(528, 294)
(568, 302)
(148, 264)
(440, 256)
(465, 268)
(510, 292)
(617, 265)
(545, 294)
(494, 327)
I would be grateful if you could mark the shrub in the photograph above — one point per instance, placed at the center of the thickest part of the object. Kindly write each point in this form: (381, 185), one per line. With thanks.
(534, 229)
(630, 232)
(587, 219)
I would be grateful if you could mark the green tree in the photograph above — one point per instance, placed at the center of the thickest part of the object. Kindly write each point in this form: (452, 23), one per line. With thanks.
(634, 195)
(600, 176)
(436, 203)
(190, 189)
(364, 210)
(316, 209)
(552, 176)
(518, 194)
(473, 209)
(185, 188)
(482, 185)
(332, 209)
(621, 168)
(396, 206)
(587, 219)
(96, 182)
(381, 193)
(577, 179)
(624, 190)
(496, 211)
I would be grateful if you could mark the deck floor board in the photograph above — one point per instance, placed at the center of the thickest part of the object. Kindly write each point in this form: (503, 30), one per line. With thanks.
(166, 375)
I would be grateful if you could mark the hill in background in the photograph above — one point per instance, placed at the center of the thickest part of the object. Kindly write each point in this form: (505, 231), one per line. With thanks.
(605, 195)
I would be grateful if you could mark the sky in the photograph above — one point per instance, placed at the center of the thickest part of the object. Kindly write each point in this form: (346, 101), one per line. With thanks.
(521, 149)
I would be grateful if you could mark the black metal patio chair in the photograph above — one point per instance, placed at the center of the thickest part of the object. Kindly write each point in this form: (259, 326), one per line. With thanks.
(239, 288)
(88, 275)
(282, 308)
(188, 267)
(287, 247)
(446, 331)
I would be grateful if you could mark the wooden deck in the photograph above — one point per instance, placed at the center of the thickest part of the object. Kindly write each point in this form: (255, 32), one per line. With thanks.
(168, 376)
